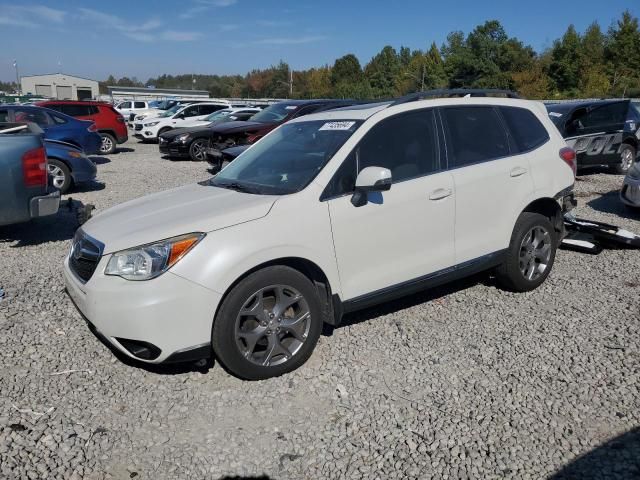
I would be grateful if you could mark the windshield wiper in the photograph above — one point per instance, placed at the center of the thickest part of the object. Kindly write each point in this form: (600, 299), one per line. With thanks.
(238, 187)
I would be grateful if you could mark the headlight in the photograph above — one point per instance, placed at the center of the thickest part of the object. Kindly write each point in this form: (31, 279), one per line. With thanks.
(149, 261)
(182, 138)
(634, 171)
(152, 124)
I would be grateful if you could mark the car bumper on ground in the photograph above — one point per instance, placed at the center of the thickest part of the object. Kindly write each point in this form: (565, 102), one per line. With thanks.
(45, 205)
(630, 192)
(165, 319)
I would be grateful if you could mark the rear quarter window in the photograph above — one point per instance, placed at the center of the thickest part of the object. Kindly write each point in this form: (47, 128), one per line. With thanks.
(525, 128)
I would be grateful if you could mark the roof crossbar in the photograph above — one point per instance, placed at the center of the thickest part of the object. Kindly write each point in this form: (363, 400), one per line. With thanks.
(456, 92)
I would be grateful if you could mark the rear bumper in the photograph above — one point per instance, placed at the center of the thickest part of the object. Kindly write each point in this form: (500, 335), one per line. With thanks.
(45, 205)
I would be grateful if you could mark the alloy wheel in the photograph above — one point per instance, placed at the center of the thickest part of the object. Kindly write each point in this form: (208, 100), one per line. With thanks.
(272, 325)
(198, 150)
(626, 160)
(535, 253)
(57, 176)
(106, 145)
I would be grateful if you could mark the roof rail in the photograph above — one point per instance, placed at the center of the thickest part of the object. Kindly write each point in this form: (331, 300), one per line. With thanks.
(455, 92)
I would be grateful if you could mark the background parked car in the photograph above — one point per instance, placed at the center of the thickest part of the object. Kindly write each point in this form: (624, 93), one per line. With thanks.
(602, 132)
(109, 122)
(25, 192)
(68, 165)
(151, 128)
(131, 106)
(56, 125)
(630, 192)
(193, 142)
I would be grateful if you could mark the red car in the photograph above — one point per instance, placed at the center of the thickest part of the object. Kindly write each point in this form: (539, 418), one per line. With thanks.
(109, 123)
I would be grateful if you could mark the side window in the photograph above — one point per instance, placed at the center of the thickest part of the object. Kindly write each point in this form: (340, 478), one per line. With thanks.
(138, 105)
(32, 115)
(125, 105)
(606, 115)
(474, 134)
(191, 111)
(55, 106)
(527, 131)
(406, 144)
(4, 116)
(207, 109)
(76, 110)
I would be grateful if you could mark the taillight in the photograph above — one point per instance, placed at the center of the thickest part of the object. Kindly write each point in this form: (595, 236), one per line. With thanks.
(34, 168)
(568, 155)
(92, 127)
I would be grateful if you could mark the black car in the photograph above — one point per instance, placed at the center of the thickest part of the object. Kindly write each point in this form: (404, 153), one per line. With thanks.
(191, 142)
(602, 132)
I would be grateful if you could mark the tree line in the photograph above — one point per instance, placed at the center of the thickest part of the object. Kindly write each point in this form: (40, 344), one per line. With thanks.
(593, 63)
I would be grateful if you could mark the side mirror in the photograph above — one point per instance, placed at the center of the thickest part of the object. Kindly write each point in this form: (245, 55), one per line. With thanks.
(370, 179)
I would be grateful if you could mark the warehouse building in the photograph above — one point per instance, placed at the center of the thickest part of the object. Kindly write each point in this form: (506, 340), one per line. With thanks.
(59, 86)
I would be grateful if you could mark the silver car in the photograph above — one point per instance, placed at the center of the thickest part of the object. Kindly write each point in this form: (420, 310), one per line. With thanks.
(630, 193)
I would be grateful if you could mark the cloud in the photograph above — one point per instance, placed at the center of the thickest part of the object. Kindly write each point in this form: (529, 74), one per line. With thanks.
(272, 23)
(289, 40)
(30, 15)
(204, 5)
(218, 3)
(147, 32)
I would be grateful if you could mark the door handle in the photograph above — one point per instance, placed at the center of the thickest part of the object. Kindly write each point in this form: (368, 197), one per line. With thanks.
(440, 193)
(518, 172)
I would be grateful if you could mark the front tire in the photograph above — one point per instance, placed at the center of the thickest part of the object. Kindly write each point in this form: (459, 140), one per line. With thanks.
(627, 157)
(60, 175)
(108, 145)
(268, 324)
(531, 254)
(198, 150)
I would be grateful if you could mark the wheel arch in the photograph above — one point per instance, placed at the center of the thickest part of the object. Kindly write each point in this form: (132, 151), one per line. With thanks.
(110, 132)
(60, 159)
(631, 140)
(549, 208)
(310, 270)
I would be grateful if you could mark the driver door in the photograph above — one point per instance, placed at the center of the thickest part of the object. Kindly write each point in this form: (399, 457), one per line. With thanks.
(401, 234)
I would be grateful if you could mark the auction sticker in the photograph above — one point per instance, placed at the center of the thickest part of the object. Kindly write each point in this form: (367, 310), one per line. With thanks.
(337, 125)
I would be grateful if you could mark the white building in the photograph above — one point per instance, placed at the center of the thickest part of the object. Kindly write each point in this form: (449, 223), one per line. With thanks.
(59, 86)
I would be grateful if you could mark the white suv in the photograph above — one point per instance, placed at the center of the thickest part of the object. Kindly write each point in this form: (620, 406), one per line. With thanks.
(151, 127)
(329, 213)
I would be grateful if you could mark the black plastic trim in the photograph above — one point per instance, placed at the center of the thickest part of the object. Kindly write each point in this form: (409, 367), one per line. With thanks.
(191, 354)
(425, 282)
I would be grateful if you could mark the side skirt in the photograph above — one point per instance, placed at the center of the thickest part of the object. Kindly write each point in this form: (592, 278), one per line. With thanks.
(425, 282)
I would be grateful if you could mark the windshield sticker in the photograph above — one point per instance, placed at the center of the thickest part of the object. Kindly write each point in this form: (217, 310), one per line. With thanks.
(290, 107)
(337, 125)
(555, 114)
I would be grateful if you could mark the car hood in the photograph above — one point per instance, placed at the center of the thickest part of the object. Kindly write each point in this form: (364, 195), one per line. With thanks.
(240, 126)
(192, 208)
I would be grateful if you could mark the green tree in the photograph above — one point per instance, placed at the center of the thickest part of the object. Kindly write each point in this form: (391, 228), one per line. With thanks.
(566, 62)
(382, 71)
(623, 52)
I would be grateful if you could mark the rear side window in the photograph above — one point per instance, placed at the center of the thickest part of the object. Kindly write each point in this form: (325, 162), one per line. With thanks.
(32, 115)
(474, 135)
(207, 109)
(78, 110)
(138, 105)
(527, 131)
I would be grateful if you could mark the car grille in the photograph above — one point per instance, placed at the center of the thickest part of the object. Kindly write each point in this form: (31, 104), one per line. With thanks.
(138, 127)
(84, 255)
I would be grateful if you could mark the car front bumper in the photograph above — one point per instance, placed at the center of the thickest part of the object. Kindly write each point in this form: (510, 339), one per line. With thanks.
(630, 192)
(169, 316)
(174, 149)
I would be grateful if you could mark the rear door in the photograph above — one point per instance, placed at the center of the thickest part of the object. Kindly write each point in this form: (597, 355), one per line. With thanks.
(401, 234)
(490, 180)
(596, 133)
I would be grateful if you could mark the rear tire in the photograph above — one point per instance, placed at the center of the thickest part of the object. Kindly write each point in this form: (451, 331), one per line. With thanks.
(60, 175)
(627, 159)
(268, 324)
(108, 145)
(531, 254)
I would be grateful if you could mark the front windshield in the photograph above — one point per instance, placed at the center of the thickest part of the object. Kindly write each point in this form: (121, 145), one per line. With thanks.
(286, 160)
(173, 110)
(218, 115)
(274, 113)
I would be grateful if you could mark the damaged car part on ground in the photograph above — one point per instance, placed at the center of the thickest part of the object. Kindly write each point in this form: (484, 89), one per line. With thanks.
(134, 269)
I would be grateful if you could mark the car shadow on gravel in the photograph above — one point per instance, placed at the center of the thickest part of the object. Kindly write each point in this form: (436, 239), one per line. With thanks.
(610, 203)
(100, 160)
(54, 228)
(411, 301)
(123, 150)
(618, 458)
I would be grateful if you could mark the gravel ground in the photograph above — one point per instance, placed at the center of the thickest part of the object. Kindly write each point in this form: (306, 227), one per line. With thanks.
(466, 381)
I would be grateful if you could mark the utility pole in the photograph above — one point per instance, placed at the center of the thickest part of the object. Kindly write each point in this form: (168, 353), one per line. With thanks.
(290, 83)
(424, 69)
(15, 65)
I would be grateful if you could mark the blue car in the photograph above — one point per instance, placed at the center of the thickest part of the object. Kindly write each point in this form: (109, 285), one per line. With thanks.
(56, 125)
(68, 165)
